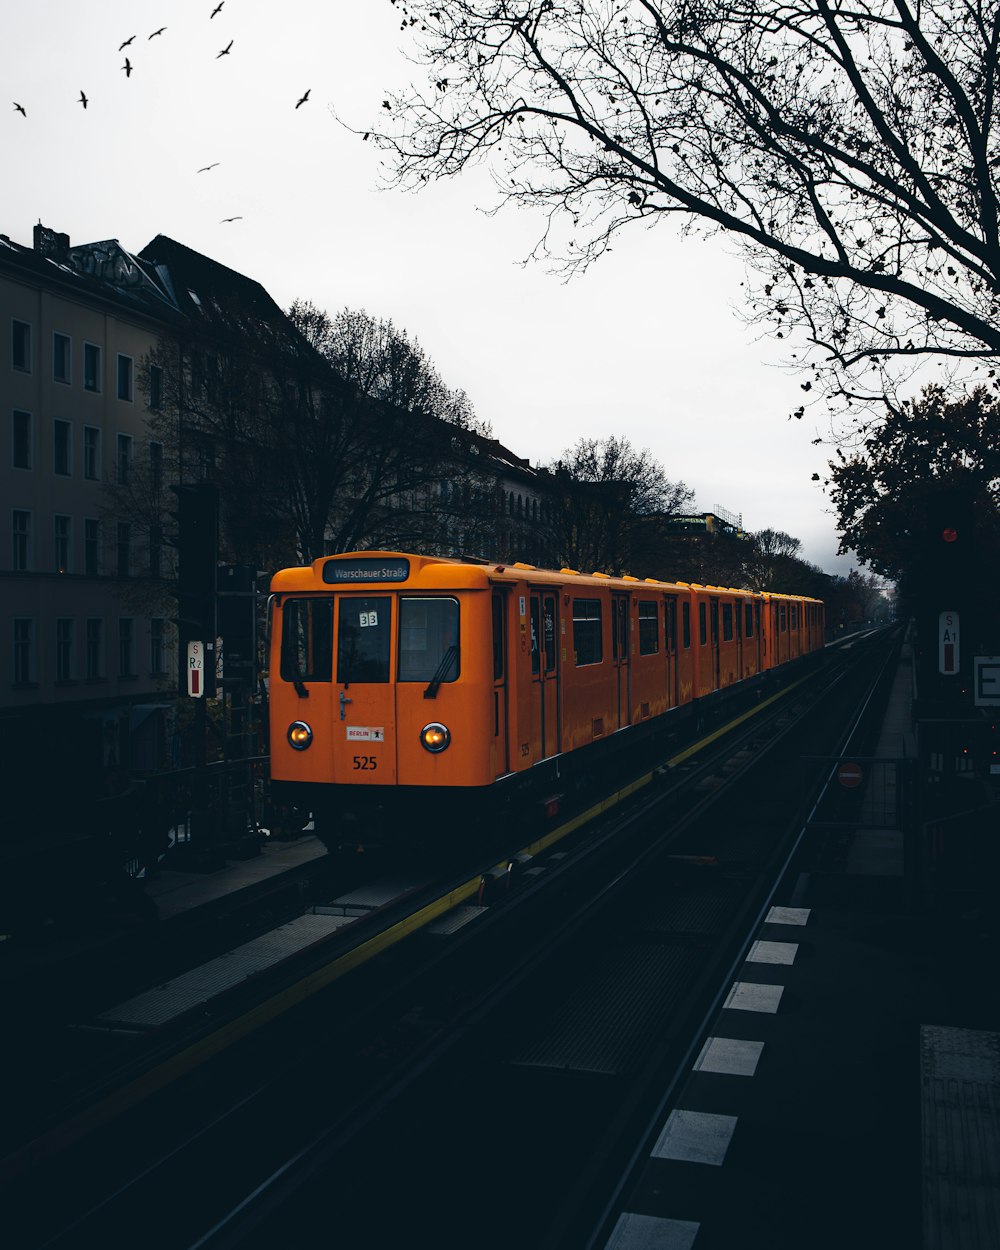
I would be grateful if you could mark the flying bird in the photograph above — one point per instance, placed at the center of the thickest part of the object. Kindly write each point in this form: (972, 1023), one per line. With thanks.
(205, 168)
(83, 98)
(123, 46)
(225, 50)
(217, 8)
(127, 67)
(225, 219)
(20, 108)
(157, 32)
(304, 98)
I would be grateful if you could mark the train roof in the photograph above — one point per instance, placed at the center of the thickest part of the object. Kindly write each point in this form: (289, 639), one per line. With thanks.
(384, 568)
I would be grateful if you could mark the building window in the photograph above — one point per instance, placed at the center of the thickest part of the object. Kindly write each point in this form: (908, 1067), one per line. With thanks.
(95, 648)
(91, 547)
(20, 346)
(125, 377)
(91, 367)
(91, 453)
(20, 450)
(124, 459)
(61, 448)
(123, 544)
(24, 650)
(155, 386)
(64, 650)
(126, 646)
(20, 545)
(61, 541)
(155, 465)
(155, 550)
(157, 647)
(62, 358)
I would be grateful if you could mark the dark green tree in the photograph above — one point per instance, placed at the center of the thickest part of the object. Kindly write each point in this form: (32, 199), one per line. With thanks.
(919, 499)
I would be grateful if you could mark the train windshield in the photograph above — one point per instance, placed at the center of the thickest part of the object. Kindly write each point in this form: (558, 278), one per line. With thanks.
(428, 639)
(363, 639)
(307, 640)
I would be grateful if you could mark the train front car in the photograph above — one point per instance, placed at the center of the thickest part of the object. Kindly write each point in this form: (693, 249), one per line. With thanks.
(381, 693)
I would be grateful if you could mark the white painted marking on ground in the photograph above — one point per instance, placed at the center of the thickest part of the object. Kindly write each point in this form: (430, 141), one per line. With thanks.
(772, 953)
(651, 1232)
(695, 1137)
(730, 1056)
(788, 915)
(749, 996)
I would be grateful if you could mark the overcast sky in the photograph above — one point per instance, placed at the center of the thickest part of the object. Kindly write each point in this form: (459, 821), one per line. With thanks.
(647, 344)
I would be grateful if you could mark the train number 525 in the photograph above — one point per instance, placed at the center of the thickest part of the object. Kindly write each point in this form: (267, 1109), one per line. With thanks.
(367, 762)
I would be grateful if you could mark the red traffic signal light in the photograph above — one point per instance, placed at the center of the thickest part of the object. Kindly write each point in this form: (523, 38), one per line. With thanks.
(949, 535)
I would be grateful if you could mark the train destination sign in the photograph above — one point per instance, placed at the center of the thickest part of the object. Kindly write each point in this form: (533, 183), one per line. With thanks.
(365, 569)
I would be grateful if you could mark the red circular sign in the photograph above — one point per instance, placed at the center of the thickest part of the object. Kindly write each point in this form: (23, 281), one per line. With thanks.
(850, 775)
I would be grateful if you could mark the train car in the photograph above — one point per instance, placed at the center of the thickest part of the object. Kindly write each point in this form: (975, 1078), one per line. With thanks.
(403, 682)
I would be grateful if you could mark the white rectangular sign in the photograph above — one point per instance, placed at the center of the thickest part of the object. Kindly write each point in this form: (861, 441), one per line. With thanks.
(986, 681)
(365, 733)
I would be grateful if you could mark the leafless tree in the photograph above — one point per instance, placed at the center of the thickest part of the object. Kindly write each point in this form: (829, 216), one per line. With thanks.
(849, 147)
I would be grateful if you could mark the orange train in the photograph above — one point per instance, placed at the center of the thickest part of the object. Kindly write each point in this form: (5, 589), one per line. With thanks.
(396, 679)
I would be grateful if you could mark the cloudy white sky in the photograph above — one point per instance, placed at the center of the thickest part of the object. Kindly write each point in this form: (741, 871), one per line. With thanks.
(647, 344)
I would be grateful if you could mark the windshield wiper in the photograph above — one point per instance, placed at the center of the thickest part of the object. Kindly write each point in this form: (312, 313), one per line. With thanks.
(442, 669)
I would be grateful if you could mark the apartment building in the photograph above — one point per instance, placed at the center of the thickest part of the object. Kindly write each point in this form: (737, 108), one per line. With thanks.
(83, 667)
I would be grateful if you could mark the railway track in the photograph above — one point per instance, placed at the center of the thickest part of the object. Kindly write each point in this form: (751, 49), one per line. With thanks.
(483, 1068)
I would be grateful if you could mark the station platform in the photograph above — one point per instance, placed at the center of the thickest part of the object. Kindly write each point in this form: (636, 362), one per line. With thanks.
(849, 1092)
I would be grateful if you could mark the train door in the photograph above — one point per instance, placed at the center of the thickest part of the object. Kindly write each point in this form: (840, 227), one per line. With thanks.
(714, 617)
(500, 751)
(621, 656)
(545, 670)
(670, 648)
(364, 694)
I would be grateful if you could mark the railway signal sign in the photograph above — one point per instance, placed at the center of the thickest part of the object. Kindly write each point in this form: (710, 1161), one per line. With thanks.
(196, 669)
(850, 775)
(948, 643)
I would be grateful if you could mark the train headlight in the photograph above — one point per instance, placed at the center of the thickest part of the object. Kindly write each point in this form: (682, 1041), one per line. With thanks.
(435, 737)
(299, 735)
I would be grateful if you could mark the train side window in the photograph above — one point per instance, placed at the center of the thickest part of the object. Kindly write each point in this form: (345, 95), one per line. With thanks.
(307, 640)
(587, 643)
(727, 622)
(748, 624)
(363, 639)
(794, 609)
(686, 624)
(670, 625)
(702, 624)
(649, 627)
(498, 648)
(782, 610)
(549, 632)
(428, 639)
